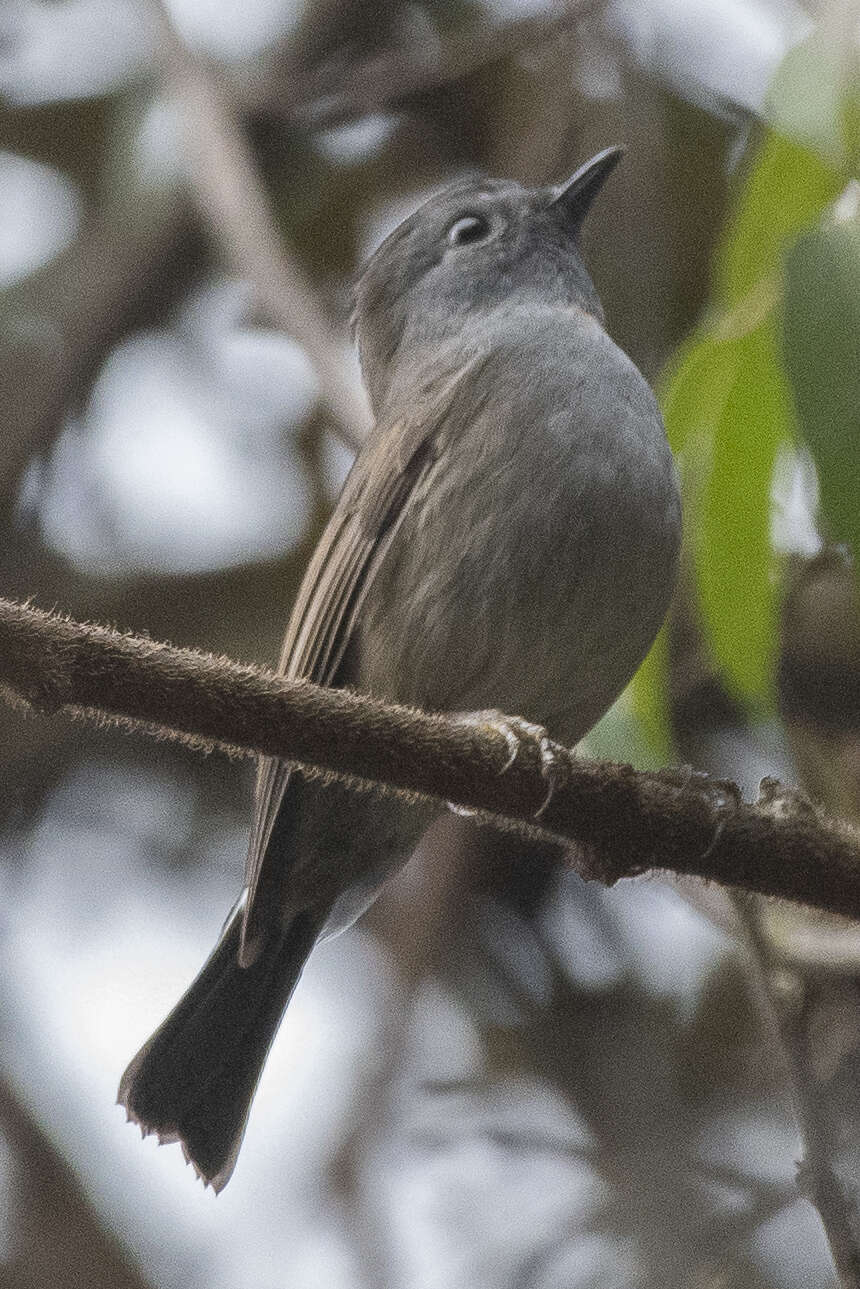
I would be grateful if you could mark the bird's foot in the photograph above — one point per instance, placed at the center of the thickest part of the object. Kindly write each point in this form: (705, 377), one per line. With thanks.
(724, 795)
(517, 731)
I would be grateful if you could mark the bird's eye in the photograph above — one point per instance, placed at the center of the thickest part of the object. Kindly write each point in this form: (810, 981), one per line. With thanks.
(468, 228)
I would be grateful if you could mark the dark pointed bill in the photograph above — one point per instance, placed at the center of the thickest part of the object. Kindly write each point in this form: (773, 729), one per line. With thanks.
(577, 194)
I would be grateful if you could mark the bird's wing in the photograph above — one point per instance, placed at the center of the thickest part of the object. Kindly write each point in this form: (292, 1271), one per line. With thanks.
(389, 467)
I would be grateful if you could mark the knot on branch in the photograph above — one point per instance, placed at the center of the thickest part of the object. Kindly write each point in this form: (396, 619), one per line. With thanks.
(783, 802)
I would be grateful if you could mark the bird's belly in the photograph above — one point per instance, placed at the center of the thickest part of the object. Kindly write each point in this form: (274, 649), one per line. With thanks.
(536, 590)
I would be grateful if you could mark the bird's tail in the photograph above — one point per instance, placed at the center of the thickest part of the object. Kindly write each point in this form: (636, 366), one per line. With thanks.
(195, 1078)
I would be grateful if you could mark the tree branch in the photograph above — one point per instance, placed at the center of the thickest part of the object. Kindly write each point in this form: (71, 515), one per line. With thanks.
(46, 1194)
(800, 1019)
(232, 201)
(624, 822)
(332, 95)
(834, 1195)
(58, 323)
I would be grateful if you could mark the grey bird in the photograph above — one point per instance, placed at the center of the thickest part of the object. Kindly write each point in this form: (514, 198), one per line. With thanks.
(507, 540)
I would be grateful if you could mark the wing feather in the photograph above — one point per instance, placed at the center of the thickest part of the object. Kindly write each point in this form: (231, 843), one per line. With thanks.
(387, 472)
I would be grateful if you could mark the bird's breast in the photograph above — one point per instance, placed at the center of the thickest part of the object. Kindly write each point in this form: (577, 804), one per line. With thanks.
(534, 566)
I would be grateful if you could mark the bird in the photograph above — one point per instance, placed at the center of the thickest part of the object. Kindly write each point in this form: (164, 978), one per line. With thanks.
(506, 542)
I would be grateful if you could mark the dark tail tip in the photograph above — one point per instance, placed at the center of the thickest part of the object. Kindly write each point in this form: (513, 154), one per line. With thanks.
(194, 1080)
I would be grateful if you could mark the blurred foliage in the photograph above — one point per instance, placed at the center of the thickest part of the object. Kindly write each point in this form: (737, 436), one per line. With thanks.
(822, 355)
(777, 341)
(648, 692)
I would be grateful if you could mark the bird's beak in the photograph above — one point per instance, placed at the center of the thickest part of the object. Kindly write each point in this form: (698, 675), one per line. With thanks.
(579, 192)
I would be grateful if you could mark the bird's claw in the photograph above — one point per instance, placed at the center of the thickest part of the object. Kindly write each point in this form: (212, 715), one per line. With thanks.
(515, 730)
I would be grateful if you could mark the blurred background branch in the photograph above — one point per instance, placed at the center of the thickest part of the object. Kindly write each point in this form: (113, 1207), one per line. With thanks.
(332, 97)
(60, 1238)
(58, 323)
(231, 200)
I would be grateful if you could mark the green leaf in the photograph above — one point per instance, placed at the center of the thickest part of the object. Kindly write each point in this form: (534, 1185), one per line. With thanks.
(692, 392)
(727, 410)
(649, 694)
(788, 188)
(806, 97)
(821, 342)
(732, 544)
(620, 736)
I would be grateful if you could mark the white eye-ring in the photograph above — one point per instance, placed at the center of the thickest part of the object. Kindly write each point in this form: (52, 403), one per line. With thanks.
(468, 228)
